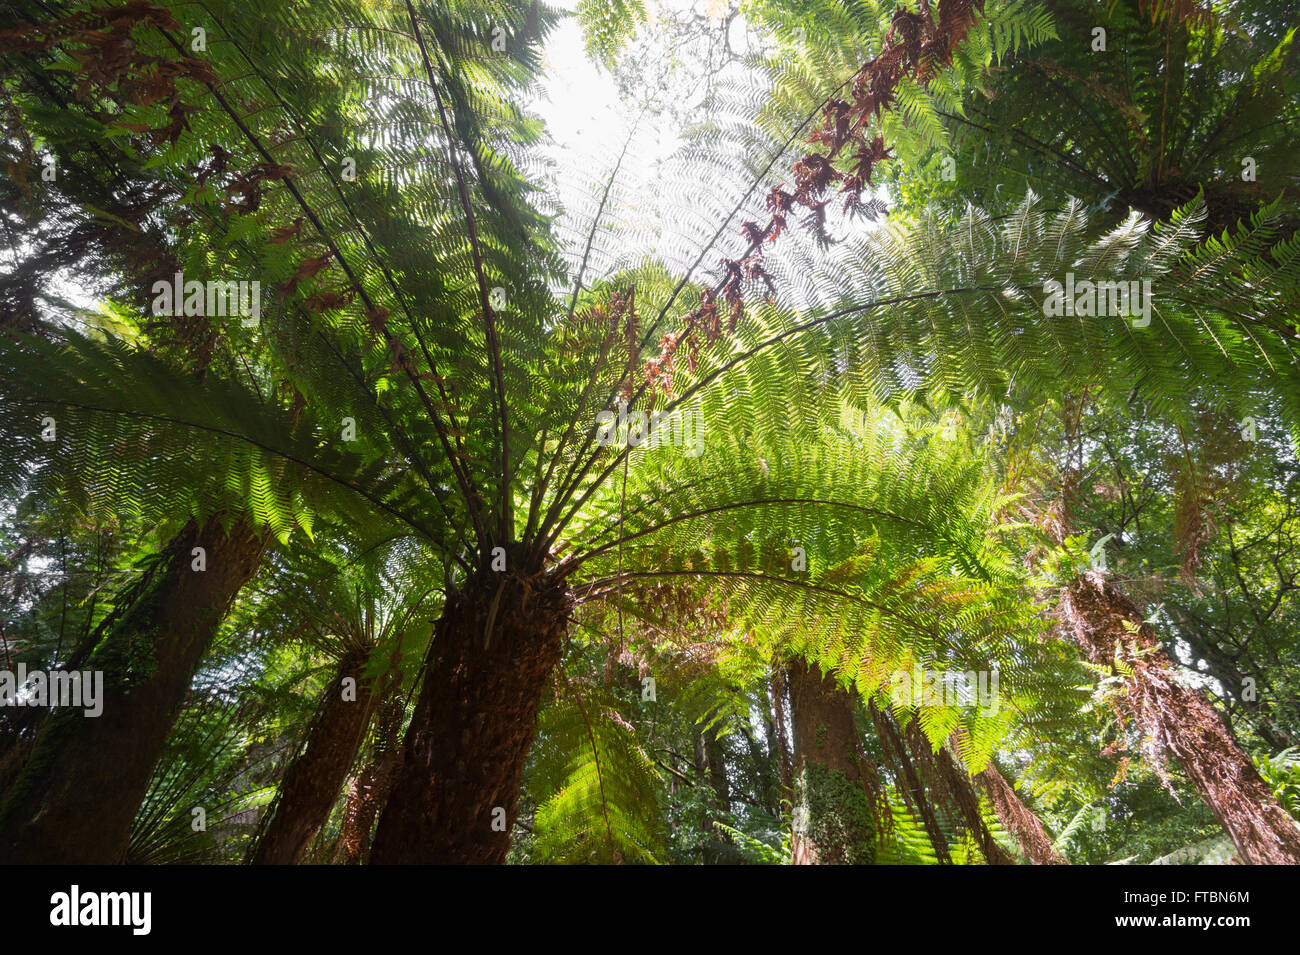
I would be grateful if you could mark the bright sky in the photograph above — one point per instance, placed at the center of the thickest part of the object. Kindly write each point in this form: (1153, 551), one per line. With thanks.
(580, 96)
(581, 102)
(671, 214)
(588, 126)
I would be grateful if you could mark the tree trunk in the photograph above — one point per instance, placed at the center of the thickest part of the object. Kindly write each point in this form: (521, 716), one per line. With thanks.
(314, 778)
(1223, 667)
(951, 784)
(493, 649)
(1018, 819)
(834, 819)
(962, 795)
(717, 767)
(913, 791)
(781, 736)
(78, 793)
(370, 790)
(765, 778)
(1175, 719)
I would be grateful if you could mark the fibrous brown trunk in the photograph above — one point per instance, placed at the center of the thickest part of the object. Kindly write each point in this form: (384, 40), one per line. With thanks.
(952, 786)
(834, 813)
(1018, 819)
(78, 792)
(493, 650)
(371, 788)
(891, 741)
(314, 778)
(962, 796)
(1177, 720)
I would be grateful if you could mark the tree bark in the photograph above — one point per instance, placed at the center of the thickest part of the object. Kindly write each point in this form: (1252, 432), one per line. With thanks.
(370, 790)
(78, 792)
(1018, 819)
(314, 778)
(717, 768)
(1175, 719)
(781, 736)
(834, 819)
(493, 650)
(962, 795)
(953, 786)
(913, 791)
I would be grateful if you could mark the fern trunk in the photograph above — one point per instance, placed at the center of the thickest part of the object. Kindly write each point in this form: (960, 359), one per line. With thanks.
(834, 822)
(369, 792)
(953, 785)
(1178, 720)
(493, 651)
(313, 780)
(1018, 819)
(78, 792)
(910, 785)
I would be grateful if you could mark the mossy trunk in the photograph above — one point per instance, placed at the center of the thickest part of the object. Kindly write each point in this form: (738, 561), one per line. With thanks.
(77, 795)
(834, 823)
(1177, 720)
(492, 654)
(314, 778)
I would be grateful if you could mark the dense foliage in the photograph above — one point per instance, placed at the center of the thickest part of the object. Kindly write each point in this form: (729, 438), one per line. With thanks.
(899, 467)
